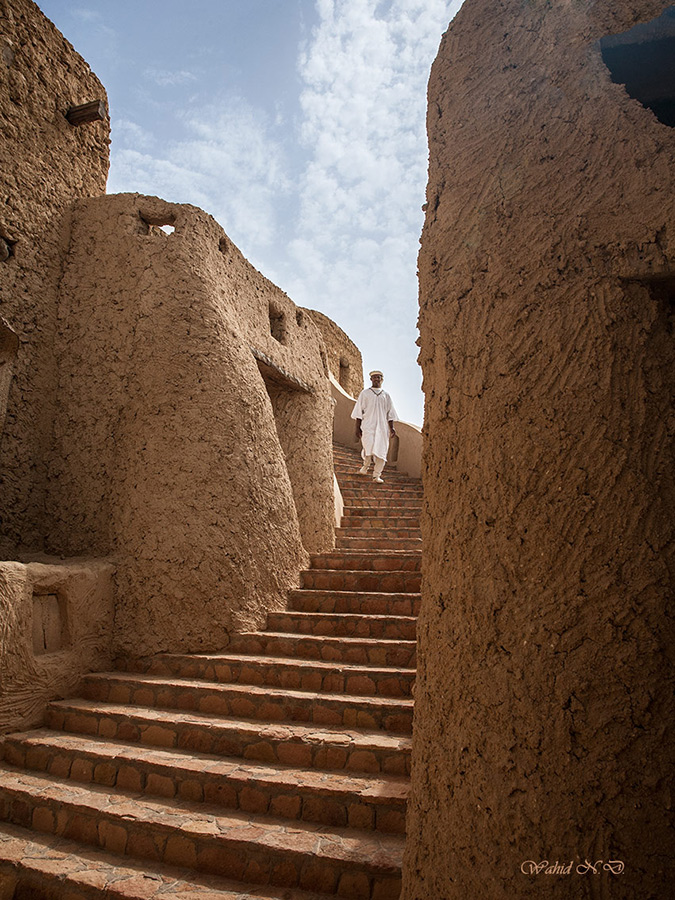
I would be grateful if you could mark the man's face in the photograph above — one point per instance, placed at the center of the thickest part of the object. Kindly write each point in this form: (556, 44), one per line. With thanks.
(376, 380)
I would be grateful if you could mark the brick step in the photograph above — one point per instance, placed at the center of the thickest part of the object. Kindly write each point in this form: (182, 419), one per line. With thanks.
(372, 561)
(355, 487)
(347, 624)
(250, 701)
(310, 795)
(373, 534)
(385, 508)
(351, 470)
(366, 651)
(287, 743)
(40, 866)
(368, 602)
(348, 580)
(363, 489)
(296, 674)
(379, 522)
(256, 849)
(376, 542)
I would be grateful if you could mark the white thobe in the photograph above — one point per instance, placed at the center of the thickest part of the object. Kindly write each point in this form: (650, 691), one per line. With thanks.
(376, 411)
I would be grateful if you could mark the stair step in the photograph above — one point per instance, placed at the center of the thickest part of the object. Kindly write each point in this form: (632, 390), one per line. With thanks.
(371, 561)
(287, 743)
(256, 849)
(367, 602)
(367, 651)
(296, 674)
(384, 510)
(250, 701)
(354, 580)
(379, 522)
(40, 866)
(374, 536)
(310, 795)
(376, 542)
(344, 624)
(351, 470)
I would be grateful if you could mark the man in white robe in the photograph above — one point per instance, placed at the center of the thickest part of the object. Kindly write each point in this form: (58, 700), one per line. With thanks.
(375, 416)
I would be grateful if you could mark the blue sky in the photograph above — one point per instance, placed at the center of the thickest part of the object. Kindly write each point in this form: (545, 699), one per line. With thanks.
(297, 124)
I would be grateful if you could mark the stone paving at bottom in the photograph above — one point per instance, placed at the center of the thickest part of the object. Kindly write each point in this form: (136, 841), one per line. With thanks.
(277, 769)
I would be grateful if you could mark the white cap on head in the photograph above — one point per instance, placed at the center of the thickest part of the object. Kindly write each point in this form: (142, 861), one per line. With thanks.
(375, 372)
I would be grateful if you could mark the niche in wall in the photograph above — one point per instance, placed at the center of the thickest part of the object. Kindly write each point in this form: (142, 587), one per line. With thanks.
(50, 623)
(9, 345)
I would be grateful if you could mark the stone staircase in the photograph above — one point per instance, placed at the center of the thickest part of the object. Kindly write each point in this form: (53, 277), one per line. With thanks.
(276, 769)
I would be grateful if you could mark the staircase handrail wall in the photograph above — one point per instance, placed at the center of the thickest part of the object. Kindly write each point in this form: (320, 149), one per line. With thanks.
(408, 460)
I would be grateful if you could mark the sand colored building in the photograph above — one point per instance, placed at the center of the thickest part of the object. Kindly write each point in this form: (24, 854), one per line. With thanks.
(547, 276)
(344, 357)
(166, 472)
(166, 409)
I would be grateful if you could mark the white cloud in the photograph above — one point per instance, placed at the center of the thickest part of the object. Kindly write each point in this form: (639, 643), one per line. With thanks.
(169, 78)
(365, 70)
(223, 159)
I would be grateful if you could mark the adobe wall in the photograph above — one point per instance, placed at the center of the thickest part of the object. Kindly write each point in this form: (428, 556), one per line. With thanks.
(171, 455)
(547, 274)
(44, 163)
(344, 357)
(59, 615)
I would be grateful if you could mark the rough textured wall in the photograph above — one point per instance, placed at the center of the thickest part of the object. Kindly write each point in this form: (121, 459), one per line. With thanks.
(547, 272)
(167, 454)
(344, 357)
(55, 625)
(44, 163)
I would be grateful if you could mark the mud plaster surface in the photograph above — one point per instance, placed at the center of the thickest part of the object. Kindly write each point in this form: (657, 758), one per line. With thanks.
(29, 680)
(169, 450)
(543, 698)
(44, 163)
(340, 347)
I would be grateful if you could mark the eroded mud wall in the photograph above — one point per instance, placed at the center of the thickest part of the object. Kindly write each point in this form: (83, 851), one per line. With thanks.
(45, 162)
(166, 454)
(547, 271)
(56, 623)
(342, 354)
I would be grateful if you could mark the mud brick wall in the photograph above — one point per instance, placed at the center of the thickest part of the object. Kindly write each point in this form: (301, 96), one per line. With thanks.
(343, 356)
(547, 282)
(45, 162)
(56, 622)
(171, 442)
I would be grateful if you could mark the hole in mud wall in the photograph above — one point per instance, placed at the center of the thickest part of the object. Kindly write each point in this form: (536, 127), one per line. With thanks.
(224, 245)
(277, 323)
(300, 317)
(343, 377)
(9, 345)
(50, 625)
(324, 361)
(6, 248)
(157, 226)
(663, 292)
(643, 60)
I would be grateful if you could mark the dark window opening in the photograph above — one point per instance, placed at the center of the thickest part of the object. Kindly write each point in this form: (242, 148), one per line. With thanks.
(6, 248)
(9, 345)
(277, 323)
(643, 59)
(662, 291)
(343, 377)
